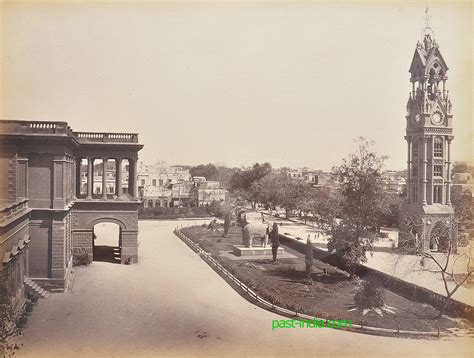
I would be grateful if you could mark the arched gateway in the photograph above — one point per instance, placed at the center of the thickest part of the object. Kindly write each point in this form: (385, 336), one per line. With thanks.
(118, 199)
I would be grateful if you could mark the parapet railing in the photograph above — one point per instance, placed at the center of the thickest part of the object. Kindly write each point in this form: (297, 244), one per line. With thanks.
(286, 312)
(34, 127)
(94, 137)
(7, 210)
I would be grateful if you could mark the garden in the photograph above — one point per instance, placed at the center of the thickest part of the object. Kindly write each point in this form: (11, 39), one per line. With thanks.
(327, 292)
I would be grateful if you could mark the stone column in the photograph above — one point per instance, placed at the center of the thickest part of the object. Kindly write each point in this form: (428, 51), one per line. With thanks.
(408, 187)
(118, 177)
(425, 162)
(90, 178)
(104, 178)
(133, 177)
(448, 171)
(130, 176)
(78, 177)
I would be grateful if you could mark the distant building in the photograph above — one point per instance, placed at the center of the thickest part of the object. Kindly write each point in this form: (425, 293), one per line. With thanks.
(394, 181)
(160, 176)
(314, 178)
(173, 186)
(464, 181)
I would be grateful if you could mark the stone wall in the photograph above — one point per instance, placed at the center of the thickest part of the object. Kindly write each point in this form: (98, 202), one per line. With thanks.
(86, 214)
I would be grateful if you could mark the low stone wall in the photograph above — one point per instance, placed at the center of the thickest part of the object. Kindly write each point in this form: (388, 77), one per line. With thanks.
(405, 289)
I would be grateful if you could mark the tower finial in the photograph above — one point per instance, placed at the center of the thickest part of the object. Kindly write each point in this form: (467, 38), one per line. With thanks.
(427, 17)
(427, 34)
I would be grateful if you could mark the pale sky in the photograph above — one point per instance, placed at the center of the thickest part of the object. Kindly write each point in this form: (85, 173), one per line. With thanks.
(237, 83)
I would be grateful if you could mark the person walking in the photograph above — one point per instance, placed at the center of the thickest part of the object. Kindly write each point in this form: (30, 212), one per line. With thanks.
(275, 240)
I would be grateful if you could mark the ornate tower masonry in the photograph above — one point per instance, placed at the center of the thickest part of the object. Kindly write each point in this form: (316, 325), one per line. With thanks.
(429, 133)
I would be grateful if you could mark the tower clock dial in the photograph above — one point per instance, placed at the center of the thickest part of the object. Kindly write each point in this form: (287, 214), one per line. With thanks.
(437, 118)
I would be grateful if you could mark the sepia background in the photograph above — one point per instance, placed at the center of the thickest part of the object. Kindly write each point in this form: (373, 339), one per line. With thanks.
(236, 83)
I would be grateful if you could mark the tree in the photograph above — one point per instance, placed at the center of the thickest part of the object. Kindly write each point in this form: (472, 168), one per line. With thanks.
(289, 193)
(460, 167)
(209, 171)
(454, 264)
(8, 328)
(462, 204)
(326, 208)
(390, 215)
(345, 241)
(242, 180)
(363, 204)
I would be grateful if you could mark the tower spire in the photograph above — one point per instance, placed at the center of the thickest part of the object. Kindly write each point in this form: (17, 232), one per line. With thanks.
(427, 18)
(427, 34)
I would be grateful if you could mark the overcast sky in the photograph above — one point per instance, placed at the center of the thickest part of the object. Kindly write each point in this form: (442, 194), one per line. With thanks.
(292, 84)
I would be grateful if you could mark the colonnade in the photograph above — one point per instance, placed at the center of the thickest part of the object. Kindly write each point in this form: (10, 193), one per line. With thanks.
(132, 176)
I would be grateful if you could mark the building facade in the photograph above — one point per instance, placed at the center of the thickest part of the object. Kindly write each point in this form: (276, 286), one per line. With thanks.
(45, 216)
(428, 213)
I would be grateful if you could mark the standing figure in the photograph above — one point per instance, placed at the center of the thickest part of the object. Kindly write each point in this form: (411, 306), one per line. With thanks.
(226, 224)
(275, 240)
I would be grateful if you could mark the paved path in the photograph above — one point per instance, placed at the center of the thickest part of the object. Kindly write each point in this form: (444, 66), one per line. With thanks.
(172, 303)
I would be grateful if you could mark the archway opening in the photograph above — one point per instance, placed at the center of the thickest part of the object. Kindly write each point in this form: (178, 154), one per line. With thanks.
(440, 237)
(107, 242)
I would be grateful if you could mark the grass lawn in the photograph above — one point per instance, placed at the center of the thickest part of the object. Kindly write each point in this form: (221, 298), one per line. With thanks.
(331, 295)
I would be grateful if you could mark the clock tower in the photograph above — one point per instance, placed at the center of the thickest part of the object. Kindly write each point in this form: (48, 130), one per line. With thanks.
(429, 133)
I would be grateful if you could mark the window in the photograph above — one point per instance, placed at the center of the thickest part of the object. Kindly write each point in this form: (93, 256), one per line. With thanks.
(438, 171)
(438, 147)
(143, 182)
(414, 150)
(160, 181)
(154, 182)
(437, 194)
(414, 170)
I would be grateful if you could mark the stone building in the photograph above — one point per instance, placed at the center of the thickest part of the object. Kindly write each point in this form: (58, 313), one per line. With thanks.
(428, 213)
(44, 216)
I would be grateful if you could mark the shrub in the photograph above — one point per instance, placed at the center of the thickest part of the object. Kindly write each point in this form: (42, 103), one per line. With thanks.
(81, 258)
(369, 295)
(8, 328)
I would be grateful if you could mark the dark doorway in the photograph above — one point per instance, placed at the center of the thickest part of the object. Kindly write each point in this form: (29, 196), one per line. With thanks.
(106, 247)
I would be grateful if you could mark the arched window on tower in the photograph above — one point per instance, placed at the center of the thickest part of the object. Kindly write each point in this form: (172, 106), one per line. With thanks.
(438, 147)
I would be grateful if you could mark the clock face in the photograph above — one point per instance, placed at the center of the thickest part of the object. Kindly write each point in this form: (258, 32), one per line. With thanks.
(437, 118)
(417, 118)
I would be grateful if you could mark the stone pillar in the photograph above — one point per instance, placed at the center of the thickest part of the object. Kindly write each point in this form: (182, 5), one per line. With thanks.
(448, 171)
(409, 162)
(90, 177)
(130, 176)
(104, 178)
(425, 162)
(118, 177)
(133, 175)
(78, 177)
